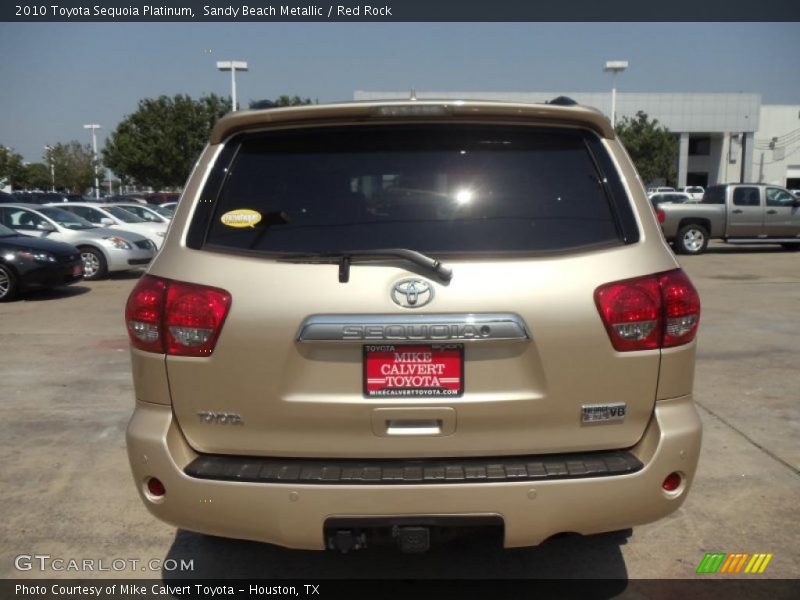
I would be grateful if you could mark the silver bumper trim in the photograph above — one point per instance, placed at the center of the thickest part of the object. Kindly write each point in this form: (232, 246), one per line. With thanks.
(464, 327)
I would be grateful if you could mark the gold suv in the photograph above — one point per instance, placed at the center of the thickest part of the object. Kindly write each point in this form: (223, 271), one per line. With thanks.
(399, 317)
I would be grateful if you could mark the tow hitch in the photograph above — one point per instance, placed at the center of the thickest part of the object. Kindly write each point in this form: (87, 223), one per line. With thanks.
(345, 540)
(410, 535)
(412, 540)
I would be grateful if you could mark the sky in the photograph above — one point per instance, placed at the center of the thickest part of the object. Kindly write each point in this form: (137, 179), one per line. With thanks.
(56, 77)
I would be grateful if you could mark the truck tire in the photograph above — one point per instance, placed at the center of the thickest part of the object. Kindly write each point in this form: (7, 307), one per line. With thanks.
(691, 239)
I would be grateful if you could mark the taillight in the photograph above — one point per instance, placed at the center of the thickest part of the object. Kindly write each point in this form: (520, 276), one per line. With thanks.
(660, 215)
(172, 317)
(656, 311)
(631, 311)
(144, 312)
(681, 308)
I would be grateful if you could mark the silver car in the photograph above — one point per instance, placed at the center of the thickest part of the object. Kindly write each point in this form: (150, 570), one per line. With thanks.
(147, 213)
(103, 250)
(111, 215)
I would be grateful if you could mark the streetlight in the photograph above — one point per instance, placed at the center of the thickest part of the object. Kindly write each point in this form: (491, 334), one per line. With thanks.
(49, 150)
(232, 66)
(614, 67)
(94, 127)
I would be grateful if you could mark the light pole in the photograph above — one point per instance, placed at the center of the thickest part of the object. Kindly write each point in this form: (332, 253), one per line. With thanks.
(232, 66)
(614, 67)
(94, 127)
(49, 150)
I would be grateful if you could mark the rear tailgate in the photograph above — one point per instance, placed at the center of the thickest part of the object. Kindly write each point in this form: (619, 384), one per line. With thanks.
(307, 398)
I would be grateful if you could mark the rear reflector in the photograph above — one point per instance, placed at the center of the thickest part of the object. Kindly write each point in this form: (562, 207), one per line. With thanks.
(672, 482)
(155, 487)
(172, 317)
(656, 311)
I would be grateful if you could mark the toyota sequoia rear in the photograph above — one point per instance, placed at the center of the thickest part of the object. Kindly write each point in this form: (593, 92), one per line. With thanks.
(400, 316)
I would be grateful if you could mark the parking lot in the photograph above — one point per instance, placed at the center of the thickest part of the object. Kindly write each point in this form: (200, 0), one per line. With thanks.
(67, 492)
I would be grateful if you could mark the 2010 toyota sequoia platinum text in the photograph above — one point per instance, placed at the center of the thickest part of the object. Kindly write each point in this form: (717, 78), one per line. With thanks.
(406, 315)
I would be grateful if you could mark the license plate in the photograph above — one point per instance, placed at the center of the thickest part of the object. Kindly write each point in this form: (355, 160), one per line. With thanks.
(413, 371)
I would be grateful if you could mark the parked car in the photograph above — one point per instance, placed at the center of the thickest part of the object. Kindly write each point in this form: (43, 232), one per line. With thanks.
(112, 216)
(695, 192)
(415, 309)
(126, 198)
(102, 250)
(28, 263)
(167, 207)
(40, 197)
(659, 190)
(746, 213)
(146, 212)
(6, 197)
(161, 197)
(166, 211)
(796, 193)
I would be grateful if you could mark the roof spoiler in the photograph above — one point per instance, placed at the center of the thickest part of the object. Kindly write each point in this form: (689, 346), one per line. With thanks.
(559, 110)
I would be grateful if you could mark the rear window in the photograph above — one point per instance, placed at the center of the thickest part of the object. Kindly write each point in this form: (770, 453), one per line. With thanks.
(66, 218)
(436, 189)
(714, 195)
(123, 215)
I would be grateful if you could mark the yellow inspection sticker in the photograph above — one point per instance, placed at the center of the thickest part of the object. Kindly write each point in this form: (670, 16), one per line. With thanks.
(241, 217)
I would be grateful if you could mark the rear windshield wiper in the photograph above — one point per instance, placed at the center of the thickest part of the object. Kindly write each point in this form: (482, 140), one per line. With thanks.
(345, 256)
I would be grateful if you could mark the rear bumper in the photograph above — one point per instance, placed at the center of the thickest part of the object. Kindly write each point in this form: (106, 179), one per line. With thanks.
(293, 514)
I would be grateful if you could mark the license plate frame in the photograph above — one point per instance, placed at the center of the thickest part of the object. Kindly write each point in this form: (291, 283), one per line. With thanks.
(449, 355)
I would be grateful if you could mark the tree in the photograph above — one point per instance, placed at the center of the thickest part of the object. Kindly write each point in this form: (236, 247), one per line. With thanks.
(280, 101)
(159, 143)
(292, 101)
(12, 168)
(652, 147)
(35, 176)
(73, 165)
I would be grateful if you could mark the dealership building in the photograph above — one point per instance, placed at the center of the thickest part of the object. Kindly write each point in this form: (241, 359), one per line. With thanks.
(722, 137)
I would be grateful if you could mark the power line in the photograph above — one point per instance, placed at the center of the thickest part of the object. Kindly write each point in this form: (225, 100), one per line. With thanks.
(770, 145)
(772, 162)
(779, 141)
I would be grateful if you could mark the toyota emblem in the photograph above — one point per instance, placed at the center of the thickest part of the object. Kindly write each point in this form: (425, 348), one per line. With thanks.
(412, 293)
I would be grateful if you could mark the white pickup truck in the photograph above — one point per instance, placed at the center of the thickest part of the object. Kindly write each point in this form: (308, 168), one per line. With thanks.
(695, 192)
(745, 213)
